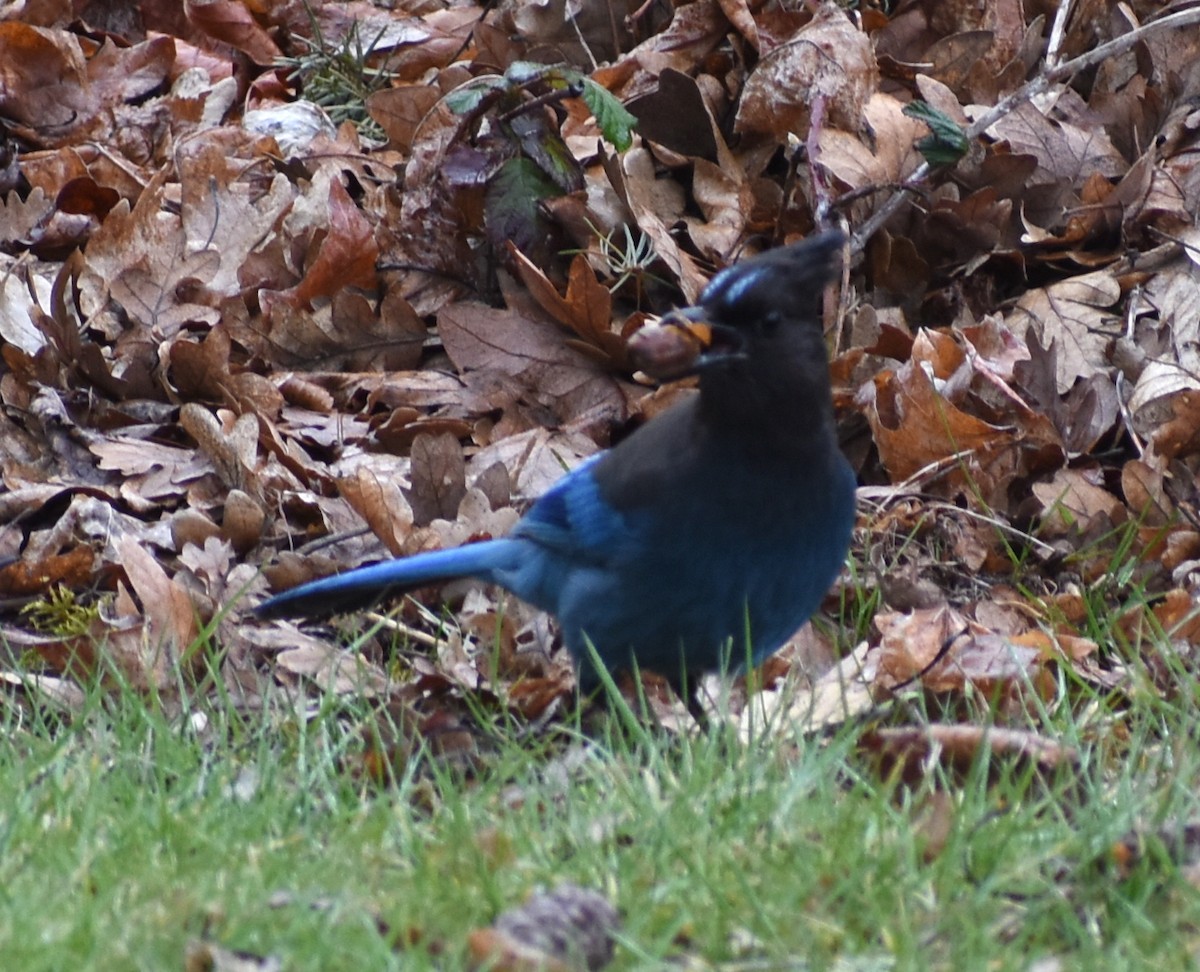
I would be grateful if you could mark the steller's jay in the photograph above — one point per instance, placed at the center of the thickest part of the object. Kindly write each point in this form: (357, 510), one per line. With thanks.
(706, 537)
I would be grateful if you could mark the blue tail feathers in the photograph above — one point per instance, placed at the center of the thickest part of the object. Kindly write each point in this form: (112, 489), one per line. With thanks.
(365, 586)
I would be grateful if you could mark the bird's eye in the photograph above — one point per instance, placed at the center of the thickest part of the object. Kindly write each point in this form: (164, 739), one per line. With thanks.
(766, 322)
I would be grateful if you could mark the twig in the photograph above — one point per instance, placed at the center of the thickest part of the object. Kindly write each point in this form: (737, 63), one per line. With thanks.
(332, 539)
(1058, 31)
(583, 40)
(882, 496)
(1118, 45)
(1122, 404)
(1029, 90)
(399, 627)
(550, 97)
(1043, 548)
(820, 186)
(487, 8)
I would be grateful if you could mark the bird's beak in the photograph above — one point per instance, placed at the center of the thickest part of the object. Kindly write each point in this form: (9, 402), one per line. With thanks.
(716, 342)
(683, 343)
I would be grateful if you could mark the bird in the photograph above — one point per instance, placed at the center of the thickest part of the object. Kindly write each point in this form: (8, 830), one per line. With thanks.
(704, 539)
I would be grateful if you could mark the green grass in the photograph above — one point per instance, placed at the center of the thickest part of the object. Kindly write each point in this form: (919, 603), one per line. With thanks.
(123, 836)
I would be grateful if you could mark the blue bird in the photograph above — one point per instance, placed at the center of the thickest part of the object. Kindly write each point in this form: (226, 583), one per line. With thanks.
(709, 535)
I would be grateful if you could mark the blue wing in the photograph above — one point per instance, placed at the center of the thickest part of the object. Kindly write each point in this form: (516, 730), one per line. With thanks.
(573, 520)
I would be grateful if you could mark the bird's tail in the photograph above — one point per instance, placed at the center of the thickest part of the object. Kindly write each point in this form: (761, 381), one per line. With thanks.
(361, 588)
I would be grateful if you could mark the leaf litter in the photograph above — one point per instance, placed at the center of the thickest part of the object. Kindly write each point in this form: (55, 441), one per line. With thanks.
(245, 346)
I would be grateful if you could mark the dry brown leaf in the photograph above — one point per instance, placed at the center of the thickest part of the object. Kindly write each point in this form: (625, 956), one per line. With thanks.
(36, 576)
(536, 459)
(726, 201)
(144, 404)
(345, 257)
(1073, 499)
(910, 751)
(916, 428)
(829, 59)
(399, 110)
(232, 23)
(43, 79)
(232, 445)
(203, 956)
(564, 929)
(227, 211)
(243, 521)
(554, 375)
(1175, 369)
(888, 157)
(676, 116)
(170, 615)
(332, 668)
(656, 205)
(840, 694)
(438, 477)
(1066, 154)
(139, 258)
(586, 309)
(379, 500)
(1074, 313)
(946, 652)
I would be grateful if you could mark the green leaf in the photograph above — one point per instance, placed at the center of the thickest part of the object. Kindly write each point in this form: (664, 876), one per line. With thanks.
(464, 100)
(616, 124)
(524, 72)
(947, 142)
(511, 206)
(542, 143)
